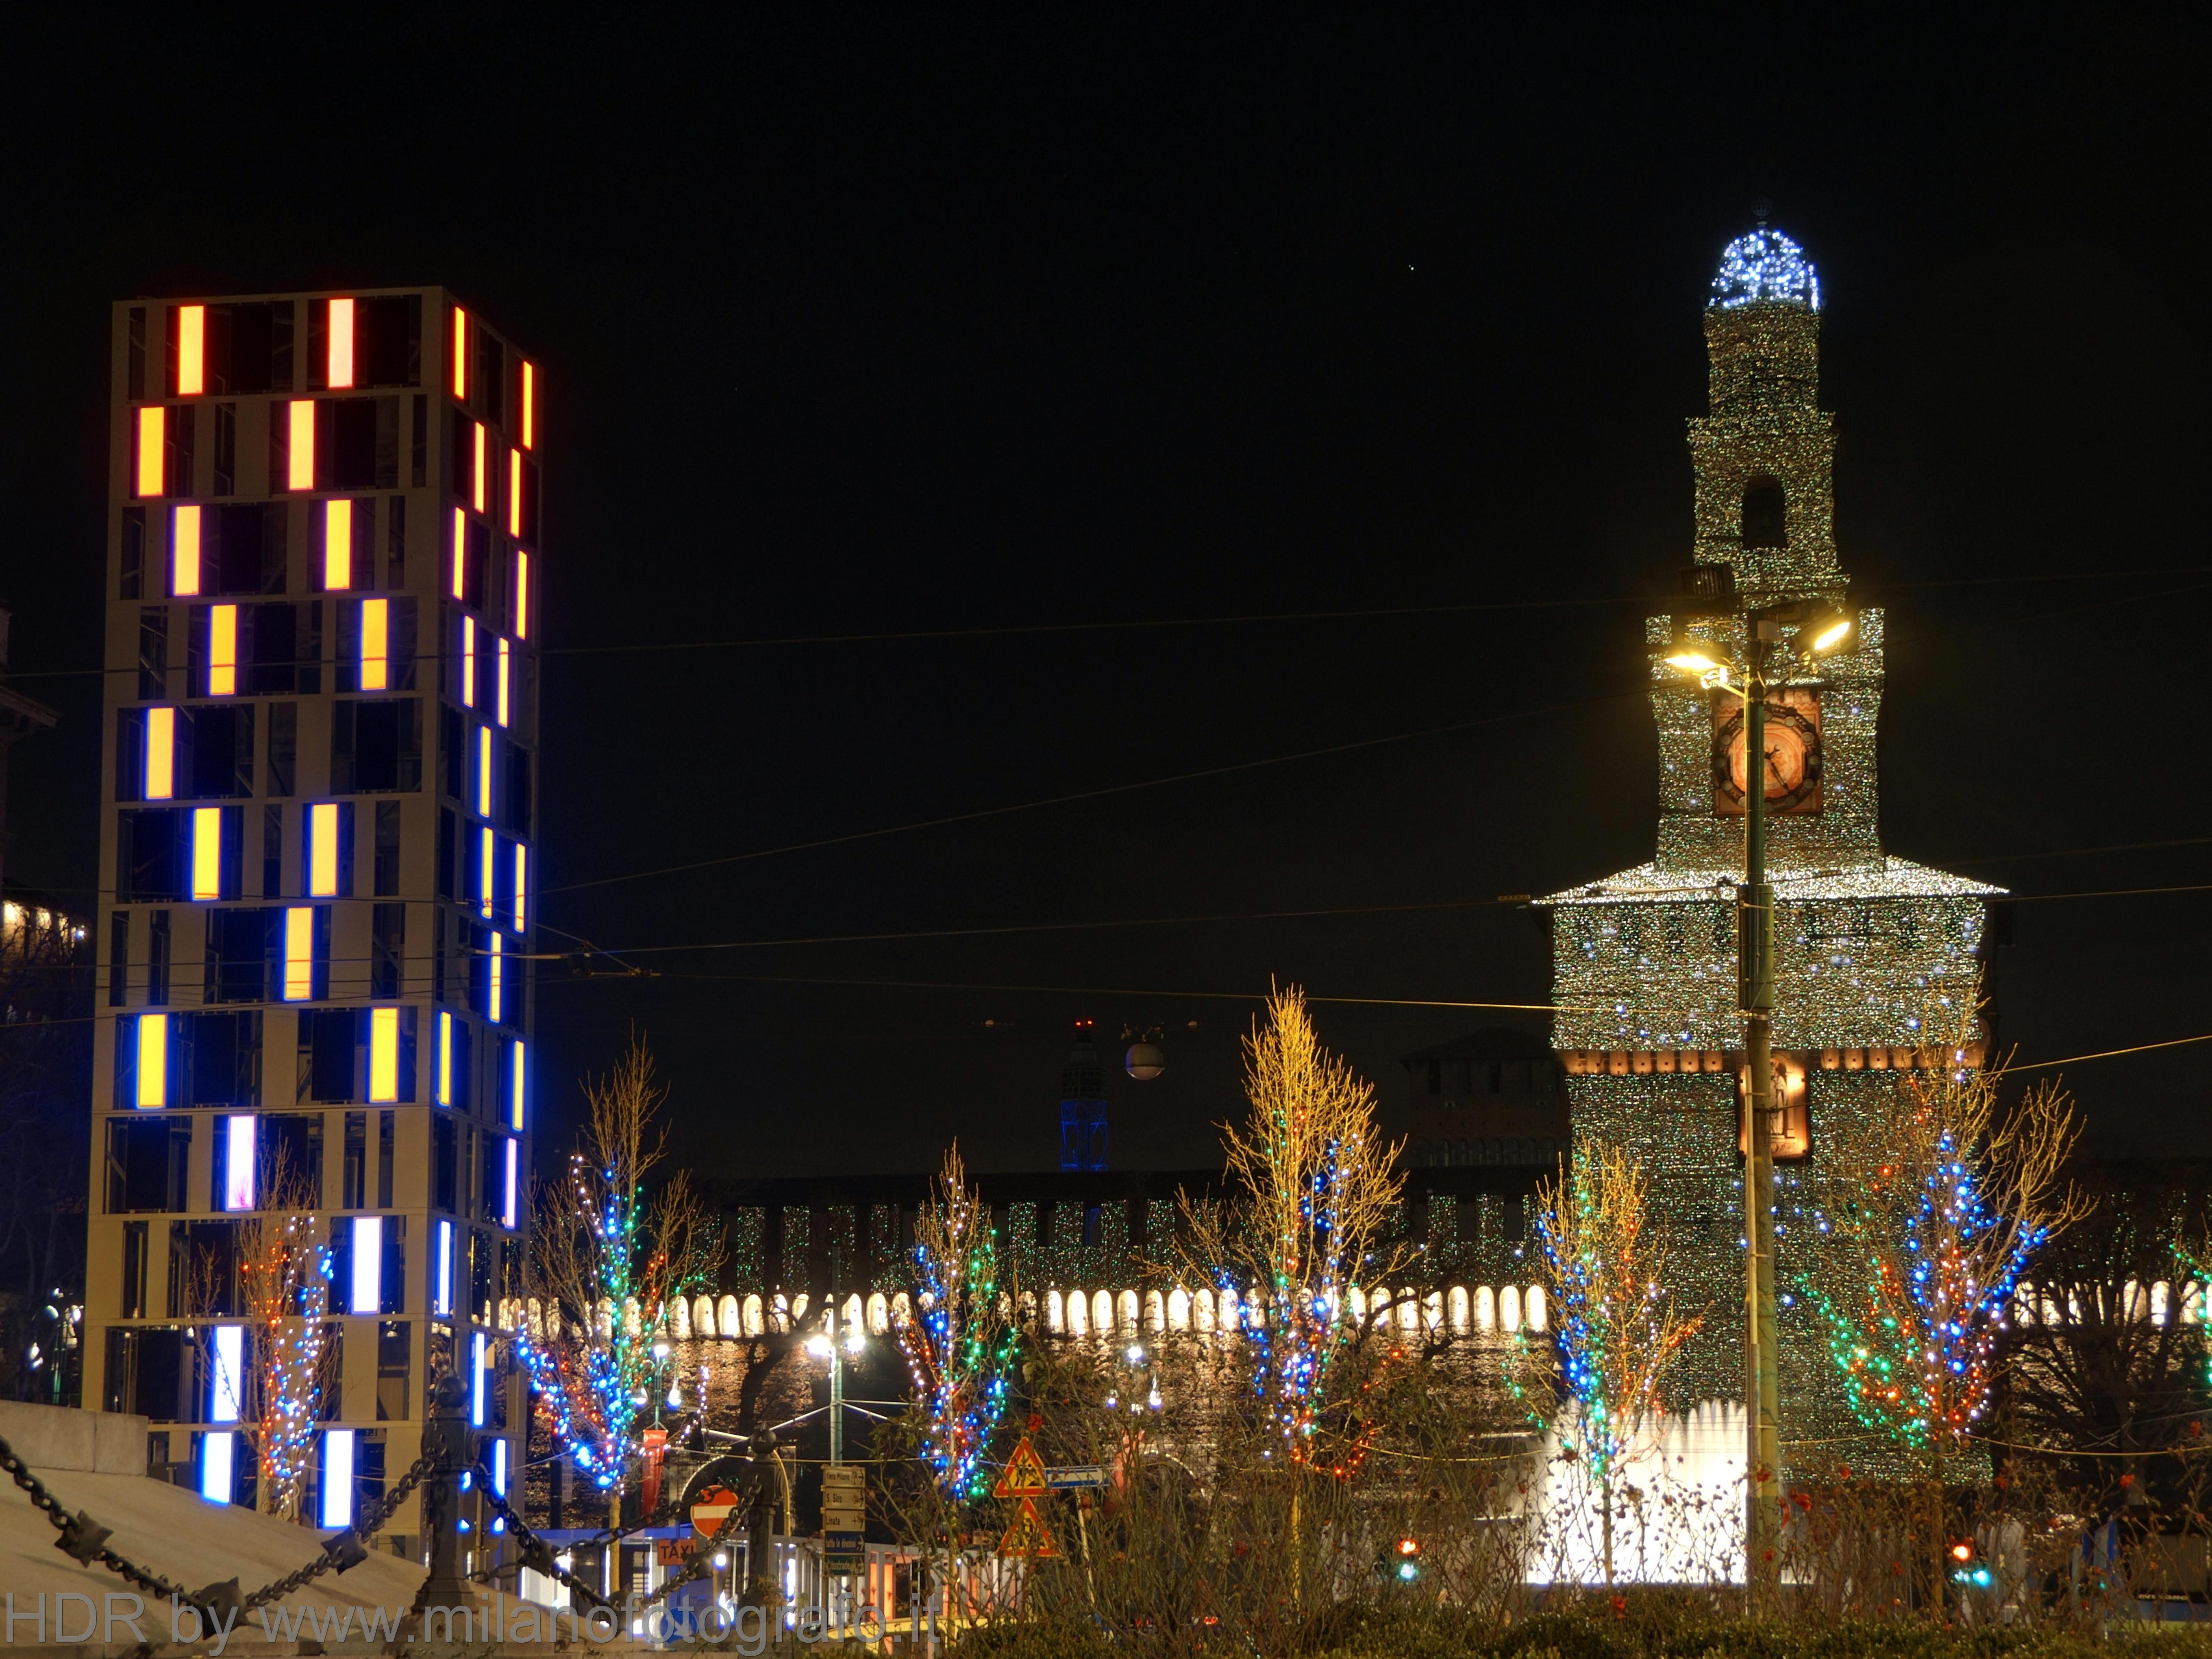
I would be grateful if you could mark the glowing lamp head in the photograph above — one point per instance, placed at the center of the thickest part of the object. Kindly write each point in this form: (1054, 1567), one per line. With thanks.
(1144, 1061)
(1826, 633)
(1694, 657)
(820, 1346)
(1136, 1354)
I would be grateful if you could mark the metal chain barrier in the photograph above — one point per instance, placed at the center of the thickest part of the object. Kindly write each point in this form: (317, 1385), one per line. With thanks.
(538, 1555)
(84, 1541)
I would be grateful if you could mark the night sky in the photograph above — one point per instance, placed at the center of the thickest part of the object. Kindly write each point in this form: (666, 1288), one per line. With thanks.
(924, 324)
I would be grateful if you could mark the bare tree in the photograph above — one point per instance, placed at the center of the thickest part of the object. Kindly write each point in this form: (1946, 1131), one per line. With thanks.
(1615, 1332)
(275, 1284)
(1312, 1188)
(611, 1249)
(1944, 1201)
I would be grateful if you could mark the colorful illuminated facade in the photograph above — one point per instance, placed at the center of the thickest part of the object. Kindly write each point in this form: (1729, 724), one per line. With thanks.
(1869, 947)
(317, 833)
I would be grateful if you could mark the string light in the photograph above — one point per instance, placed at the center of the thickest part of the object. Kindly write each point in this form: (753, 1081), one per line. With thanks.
(1764, 267)
(959, 1347)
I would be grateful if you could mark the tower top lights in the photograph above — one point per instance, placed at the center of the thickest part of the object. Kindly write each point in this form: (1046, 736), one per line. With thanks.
(1764, 267)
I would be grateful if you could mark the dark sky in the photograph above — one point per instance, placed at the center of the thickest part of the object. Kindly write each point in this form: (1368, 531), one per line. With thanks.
(903, 320)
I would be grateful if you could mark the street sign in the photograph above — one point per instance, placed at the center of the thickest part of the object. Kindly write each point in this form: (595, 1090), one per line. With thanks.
(843, 1551)
(1074, 1476)
(1028, 1536)
(1024, 1475)
(844, 1499)
(711, 1508)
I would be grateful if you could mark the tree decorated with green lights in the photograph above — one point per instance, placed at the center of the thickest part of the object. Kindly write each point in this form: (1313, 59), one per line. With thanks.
(961, 1339)
(1943, 1203)
(611, 1249)
(1614, 1329)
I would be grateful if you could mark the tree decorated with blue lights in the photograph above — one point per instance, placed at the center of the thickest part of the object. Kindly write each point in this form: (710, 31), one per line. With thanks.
(1613, 1329)
(1311, 1190)
(1950, 1198)
(611, 1251)
(961, 1339)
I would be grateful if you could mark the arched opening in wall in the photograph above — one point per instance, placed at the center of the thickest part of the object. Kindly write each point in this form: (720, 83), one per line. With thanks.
(1765, 516)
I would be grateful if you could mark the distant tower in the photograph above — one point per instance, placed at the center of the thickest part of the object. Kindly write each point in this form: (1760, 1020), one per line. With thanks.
(1083, 1105)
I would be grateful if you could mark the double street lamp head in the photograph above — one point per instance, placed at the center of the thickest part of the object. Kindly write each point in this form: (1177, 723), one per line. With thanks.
(1823, 631)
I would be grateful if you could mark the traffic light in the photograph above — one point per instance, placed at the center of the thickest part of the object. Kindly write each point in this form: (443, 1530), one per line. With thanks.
(1965, 1569)
(1409, 1558)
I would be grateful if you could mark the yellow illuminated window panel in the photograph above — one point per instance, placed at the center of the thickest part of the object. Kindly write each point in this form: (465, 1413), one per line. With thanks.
(501, 701)
(161, 753)
(383, 1055)
(375, 645)
(529, 405)
(322, 850)
(445, 1060)
(153, 1060)
(514, 492)
(521, 886)
(483, 482)
(460, 586)
(184, 550)
(299, 466)
(337, 546)
(192, 350)
(461, 352)
(517, 1070)
(299, 953)
(521, 594)
(483, 771)
(152, 435)
(207, 853)
(223, 651)
(341, 338)
(493, 989)
(487, 869)
(468, 662)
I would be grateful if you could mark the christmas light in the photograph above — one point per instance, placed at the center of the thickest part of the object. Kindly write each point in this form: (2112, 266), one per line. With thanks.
(1764, 268)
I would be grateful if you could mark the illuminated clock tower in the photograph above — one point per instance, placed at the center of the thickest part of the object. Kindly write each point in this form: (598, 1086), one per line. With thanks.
(1645, 961)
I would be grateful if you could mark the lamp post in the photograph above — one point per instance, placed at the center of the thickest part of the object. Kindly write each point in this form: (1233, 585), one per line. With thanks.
(825, 1345)
(1817, 631)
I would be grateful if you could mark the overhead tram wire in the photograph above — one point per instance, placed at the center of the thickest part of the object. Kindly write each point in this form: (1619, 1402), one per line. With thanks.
(1656, 602)
(1096, 794)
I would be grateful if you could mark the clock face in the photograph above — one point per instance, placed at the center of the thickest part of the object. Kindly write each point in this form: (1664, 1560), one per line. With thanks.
(1789, 770)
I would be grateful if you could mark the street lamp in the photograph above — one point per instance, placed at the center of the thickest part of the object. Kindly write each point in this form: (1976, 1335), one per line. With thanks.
(1816, 630)
(824, 1344)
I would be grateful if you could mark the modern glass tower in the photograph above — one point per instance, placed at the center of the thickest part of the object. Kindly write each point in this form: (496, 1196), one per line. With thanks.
(316, 834)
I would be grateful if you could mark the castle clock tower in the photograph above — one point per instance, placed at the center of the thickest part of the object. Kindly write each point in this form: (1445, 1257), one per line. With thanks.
(1866, 945)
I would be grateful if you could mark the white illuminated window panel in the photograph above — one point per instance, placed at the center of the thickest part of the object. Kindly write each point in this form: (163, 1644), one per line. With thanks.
(483, 771)
(487, 871)
(442, 1290)
(192, 350)
(461, 352)
(322, 850)
(492, 990)
(517, 1070)
(375, 645)
(468, 662)
(521, 594)
(217, 1446)
(481, 484)
(152, 1061)
(499, 1466)
(183, 550)
(223, 651)
(341, 342)
(499, 699)
(238, 1164)
(365, 1288)
(383, 1055)
(445, 1060)
(299, 953)
(521, 886)
(300, 464)
(337, 1476)
(207, 853)
(153, 434)
(529, 405)
(161, 780)
(337, 546)
(513, 1181)
(479, 1375)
